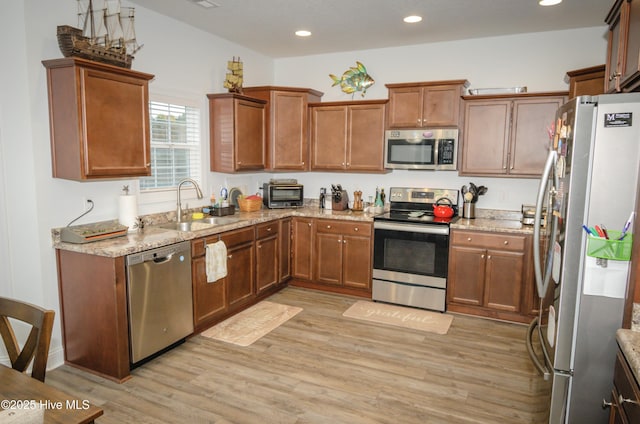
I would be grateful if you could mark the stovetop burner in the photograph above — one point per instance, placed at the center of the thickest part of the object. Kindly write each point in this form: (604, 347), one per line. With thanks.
(415, 205)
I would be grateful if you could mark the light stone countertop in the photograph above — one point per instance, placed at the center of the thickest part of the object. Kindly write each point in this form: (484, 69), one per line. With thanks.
(153, 236)
(629, 342)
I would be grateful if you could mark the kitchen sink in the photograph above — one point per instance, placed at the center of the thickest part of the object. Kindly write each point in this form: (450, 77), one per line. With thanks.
(199, 224)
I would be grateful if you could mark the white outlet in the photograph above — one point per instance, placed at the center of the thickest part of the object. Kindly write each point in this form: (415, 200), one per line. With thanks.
(86, 203)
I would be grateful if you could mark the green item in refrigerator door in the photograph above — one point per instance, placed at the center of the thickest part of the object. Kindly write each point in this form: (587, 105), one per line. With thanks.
(613, 248)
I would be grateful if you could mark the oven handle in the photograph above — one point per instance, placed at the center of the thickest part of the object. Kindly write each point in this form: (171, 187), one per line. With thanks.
(415, 228)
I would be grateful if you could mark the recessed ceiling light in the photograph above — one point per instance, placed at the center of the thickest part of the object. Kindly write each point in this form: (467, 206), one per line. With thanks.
(412, 19)
(549, 2)
(303, 33)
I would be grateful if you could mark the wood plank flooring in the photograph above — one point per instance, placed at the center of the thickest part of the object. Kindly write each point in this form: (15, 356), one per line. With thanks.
(320, 367)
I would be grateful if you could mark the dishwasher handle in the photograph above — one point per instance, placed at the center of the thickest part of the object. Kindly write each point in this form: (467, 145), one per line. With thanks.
(163, 259)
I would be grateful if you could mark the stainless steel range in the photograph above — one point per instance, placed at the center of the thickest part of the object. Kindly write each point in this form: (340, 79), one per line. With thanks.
(411, 248)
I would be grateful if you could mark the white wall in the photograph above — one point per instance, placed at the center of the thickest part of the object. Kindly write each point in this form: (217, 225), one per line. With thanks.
(538, 61)
(189, 63)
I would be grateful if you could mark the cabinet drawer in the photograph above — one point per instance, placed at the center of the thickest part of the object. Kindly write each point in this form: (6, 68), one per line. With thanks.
(267, 229)
(627, 388)
(231, 238)
(489, 240)
(342, 227)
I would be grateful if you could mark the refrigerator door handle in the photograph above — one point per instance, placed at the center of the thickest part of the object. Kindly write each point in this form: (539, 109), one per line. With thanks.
(543, 370)
(542, 281)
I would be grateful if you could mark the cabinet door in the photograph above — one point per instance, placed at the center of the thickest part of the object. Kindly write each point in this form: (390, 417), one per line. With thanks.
(302, 248)
(328, 137)
(209, 299)
(328, 254)
(289, 143)
(405, 107)
(529, 137)
(486, 137)
(356, 261)
(240, 274)
(116, 124)
(631, 70)
(466, 275)
(365, 149)
(250, 135)
(504, 274)
(266, 263)
(285, 250)
(614, 55)
(441, 106)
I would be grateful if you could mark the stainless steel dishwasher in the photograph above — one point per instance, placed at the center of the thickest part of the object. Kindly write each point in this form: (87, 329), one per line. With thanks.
(159, 299)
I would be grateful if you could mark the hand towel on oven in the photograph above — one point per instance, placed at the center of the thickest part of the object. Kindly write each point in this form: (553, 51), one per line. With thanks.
(216, 259)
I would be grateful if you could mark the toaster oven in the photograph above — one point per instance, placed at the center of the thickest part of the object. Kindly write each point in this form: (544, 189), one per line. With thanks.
(277, 195)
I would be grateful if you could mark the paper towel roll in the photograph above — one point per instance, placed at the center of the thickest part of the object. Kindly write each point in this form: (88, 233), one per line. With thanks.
(128, 211)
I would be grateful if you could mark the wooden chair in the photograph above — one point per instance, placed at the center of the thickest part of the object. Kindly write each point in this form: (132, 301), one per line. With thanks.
(36, 347)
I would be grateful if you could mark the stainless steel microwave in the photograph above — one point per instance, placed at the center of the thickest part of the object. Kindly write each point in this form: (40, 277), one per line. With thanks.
(276, 196)
(423, 148)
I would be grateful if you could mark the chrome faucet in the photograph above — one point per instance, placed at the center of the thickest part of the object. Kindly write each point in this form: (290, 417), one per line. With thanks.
(198, 192)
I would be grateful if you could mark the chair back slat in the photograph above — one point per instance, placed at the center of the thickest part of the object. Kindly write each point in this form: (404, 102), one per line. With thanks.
(36, 347)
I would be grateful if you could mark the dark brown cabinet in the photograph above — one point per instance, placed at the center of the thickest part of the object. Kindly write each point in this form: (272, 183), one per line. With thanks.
(623, 50)
(284, 259)
(508, 136)
(625, 396)
(348, 136)
(425, 104)
(267, 252)
(489, 274)
(286, 125)
(237, 133)
(99, 120)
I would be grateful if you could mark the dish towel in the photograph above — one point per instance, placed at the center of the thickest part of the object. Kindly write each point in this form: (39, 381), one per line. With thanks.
(216, 259)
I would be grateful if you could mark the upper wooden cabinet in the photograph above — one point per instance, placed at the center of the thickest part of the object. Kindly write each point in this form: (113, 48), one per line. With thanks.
(237, 132)
(286, 125)
(508, 135)
(586, 81)
(99, 120)
(348, 136)
(623, 51)
(425, 104)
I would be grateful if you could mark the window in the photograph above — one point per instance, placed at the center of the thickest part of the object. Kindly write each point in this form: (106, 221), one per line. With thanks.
(175, 145)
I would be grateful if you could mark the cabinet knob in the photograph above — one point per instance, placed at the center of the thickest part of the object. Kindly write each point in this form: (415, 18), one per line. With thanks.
(269, 229)
(506, 242)
(229, 256)
(342, 163)
(302, 162)
(622, 400)
(348, 164)
(356, 229)
(614, 75)
(482, 256)
(468, 238)
(309, 224)
(344, 241)
(606, 404)
(488, 256)
(328, 226)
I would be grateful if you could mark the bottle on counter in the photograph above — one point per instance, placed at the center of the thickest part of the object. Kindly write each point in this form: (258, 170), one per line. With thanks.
(378, 202)
(323, 197)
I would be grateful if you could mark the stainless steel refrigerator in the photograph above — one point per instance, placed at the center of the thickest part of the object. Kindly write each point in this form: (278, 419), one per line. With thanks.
(590, 179)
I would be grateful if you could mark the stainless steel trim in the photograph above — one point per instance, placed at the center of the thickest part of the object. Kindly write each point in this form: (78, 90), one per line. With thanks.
(543, 370)
(409, 295)
(414, 228)
(415, 279)
(542, 282)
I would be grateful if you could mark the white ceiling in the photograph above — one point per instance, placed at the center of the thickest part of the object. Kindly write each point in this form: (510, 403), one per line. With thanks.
(267, 26)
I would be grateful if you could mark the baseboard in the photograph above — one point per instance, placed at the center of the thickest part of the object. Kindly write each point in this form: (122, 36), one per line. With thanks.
(56, 358)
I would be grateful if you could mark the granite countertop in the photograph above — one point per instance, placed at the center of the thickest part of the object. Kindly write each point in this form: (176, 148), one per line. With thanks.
(629, 342)
(153, 236)
(494, 220)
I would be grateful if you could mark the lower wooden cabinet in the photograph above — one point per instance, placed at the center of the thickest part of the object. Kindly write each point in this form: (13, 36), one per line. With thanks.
(490, 274)
(333, 255)
(267, 252)
(284, 259)
(625, 396)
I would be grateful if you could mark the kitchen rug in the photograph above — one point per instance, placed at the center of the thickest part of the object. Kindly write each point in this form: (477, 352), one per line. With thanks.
(417, 319)
(251, 324)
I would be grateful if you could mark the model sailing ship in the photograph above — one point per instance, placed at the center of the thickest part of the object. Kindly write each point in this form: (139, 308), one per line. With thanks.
(104, 34)
(233, 79)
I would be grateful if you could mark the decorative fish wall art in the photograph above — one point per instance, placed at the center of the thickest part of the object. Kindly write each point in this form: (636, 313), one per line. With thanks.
(354, 79)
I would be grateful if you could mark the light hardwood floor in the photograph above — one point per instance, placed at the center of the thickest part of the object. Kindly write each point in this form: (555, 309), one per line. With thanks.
(320, 367)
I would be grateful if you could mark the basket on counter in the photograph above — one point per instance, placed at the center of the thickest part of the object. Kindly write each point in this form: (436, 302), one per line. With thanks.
(249, 205)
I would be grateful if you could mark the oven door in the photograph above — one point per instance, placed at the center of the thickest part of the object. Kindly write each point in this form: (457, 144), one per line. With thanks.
(414, 249)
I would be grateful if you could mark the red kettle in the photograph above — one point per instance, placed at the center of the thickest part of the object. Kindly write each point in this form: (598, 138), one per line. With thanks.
(443, 211)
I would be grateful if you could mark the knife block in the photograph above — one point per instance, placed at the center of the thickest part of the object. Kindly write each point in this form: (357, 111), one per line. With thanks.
(342, 204)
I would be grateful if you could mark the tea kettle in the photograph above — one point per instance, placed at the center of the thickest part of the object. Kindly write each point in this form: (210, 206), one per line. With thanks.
(443, 211)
